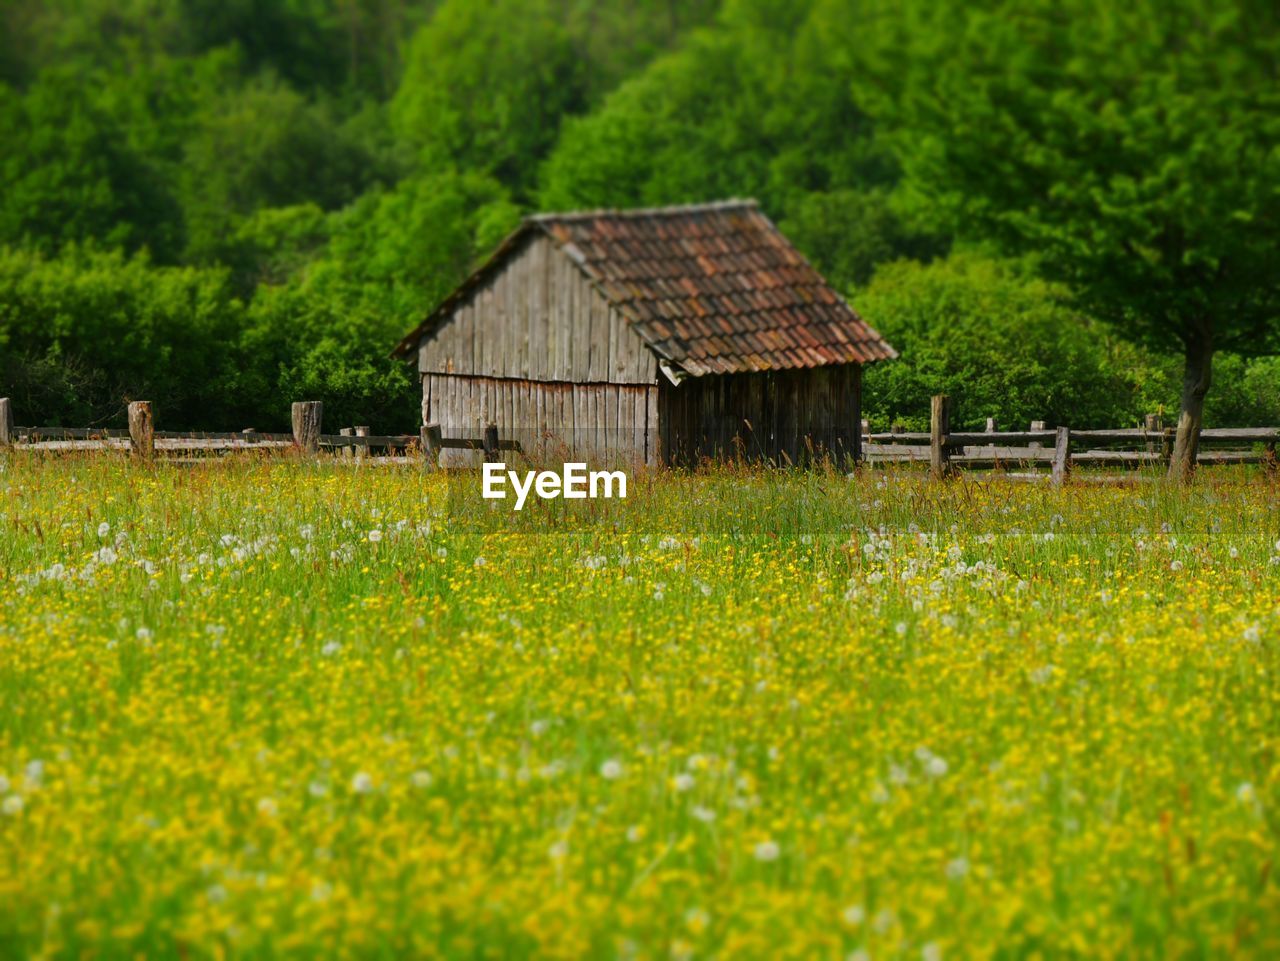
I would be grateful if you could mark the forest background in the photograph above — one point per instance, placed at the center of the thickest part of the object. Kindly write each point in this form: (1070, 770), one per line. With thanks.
(223, 206)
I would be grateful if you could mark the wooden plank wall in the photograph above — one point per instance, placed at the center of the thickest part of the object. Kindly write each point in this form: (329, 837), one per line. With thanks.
(602, 424)
(539, 319)
(778, 416)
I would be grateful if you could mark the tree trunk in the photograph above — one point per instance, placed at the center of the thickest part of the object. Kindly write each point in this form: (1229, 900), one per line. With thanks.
(1196, 378)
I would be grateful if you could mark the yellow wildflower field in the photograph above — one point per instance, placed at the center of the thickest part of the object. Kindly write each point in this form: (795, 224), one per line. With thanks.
(278, 709)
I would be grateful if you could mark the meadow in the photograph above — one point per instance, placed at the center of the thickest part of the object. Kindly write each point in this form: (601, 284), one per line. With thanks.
(272, 709)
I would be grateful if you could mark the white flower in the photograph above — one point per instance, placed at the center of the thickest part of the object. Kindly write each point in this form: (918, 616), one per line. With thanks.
(957, 868)
(1233, 553)
(267, 807)
(936, 767)
(1252, 634)
(767, 851)
(683, 782)
(34, 772)
(611, 770)
(559, 851)
(321, 891)
(375, 535)
(880, 794)
(317, 789)
(1246, 793)
(442, 552)
(860, 955)
(703, 814)
(143, 634)
(635, 834)
(900, 628)
(931, 952)
(854, 915)
(1175, 565)
(479, 562)
(104, 529)
(4, 784)
(362, 783)
(330, 648)
(420, 779)
(12, 805)
(106, 556)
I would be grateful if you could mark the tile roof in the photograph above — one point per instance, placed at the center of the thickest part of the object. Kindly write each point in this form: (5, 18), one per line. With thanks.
(711, 288)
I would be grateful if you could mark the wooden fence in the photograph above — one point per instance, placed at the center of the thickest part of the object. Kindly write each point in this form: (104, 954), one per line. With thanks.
(1060, 448)
(144, 441)
(943, 450)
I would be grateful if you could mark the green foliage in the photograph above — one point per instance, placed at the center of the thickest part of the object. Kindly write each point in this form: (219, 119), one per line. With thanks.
(1134, 148)
(266, 146)
(316, 174)
(760, 105)
(1003, 344)
(89, 330)
(485, 86)
(67, 174)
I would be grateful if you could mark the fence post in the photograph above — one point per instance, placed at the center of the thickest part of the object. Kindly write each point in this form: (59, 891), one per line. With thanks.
(1151, 426)
(431, 435)
(362, 451)
(346, 432)
(142, 429)
(6, 422)
(940, 435)
(991, 425)
(306, 424)
(1036, 425)
(491, 442)
(1062, 456)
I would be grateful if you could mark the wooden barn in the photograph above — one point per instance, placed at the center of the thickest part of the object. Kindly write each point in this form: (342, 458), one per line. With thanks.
(658, 335)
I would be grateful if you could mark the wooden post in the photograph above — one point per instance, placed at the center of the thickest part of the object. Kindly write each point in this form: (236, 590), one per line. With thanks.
(940, 435)
(431, 435)
(142, 430)
(6, 422)
(346, 432)
(1062, 456)
(991, 425)
(1036, 425)
(306, 425)
(1151, 426)
(491, 443)
(361, 452)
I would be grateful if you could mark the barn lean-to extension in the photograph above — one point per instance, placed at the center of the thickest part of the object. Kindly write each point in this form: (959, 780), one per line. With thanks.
(657, 335)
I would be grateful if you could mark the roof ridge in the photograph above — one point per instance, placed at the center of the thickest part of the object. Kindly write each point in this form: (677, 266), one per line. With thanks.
(745, 203)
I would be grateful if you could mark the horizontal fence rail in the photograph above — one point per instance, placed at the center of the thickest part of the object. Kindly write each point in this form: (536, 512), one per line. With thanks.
(1062, 448)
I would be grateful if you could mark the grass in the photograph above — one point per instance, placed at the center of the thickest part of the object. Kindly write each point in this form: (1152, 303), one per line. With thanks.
(269, 709)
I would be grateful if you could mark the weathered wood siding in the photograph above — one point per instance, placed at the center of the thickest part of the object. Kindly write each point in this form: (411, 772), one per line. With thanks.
(780, 416)
(553, 422)
(538, 319)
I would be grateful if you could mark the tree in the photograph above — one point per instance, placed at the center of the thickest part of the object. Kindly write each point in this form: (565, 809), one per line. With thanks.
(1134, 148)
(485, 88)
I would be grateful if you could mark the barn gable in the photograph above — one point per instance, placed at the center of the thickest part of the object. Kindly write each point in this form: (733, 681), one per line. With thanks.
(536, 316)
